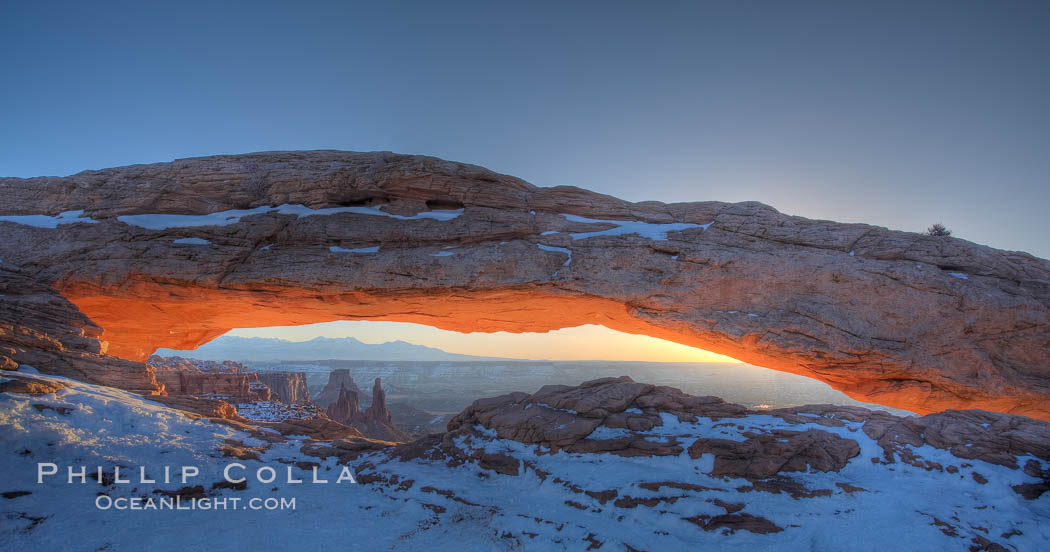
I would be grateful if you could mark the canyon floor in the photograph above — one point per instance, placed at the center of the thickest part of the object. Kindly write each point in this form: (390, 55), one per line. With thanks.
(611, 464)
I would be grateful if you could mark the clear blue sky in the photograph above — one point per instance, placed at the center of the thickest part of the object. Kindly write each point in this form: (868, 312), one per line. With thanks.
(894, 113)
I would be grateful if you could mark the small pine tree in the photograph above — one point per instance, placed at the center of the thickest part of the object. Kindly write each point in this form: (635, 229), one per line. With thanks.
(938, 229)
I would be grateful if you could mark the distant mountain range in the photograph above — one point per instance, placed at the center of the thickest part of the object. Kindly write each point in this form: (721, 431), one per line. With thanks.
(320, 348)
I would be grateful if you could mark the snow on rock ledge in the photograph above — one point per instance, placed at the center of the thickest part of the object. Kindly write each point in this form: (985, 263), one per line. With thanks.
(637, 466)
(893, 323)
(936, 488)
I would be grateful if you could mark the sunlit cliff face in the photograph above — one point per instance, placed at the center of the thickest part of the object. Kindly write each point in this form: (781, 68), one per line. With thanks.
(146, 316)
(139, 323)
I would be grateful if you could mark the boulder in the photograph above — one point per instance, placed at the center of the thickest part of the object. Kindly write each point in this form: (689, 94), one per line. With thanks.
(766, 451)
(764, 455)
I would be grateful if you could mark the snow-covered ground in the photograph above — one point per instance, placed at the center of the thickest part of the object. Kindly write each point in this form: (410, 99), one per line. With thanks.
(869, 507)
(109, 427)
(275, 411)
(428, 505)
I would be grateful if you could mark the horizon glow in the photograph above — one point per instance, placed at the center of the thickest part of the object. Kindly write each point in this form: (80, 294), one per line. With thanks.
(587, 342)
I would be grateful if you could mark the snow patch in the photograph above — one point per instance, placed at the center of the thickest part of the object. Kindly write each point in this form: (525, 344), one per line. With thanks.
(45, 221)
(557, 250)
(706, 463)
(337, 249)
(163, 222)
(657, 232)
(192, 241)
(109, 426)
(233, 216)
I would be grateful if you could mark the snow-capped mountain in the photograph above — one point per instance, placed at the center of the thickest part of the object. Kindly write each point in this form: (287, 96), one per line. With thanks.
(320, 348)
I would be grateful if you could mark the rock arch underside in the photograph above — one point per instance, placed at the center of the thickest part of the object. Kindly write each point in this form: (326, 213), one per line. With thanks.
(101, 268)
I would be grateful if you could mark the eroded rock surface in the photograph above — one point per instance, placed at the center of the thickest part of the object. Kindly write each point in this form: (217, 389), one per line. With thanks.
(41, 328)
(227, 380)
(917, 322)
(21, 383)
(337, 380)
(609, 448)
(375, 422)
(939, 480)
(287, 387)
(621, 416)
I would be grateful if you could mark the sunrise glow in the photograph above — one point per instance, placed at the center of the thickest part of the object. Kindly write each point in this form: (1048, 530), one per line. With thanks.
(588, 342)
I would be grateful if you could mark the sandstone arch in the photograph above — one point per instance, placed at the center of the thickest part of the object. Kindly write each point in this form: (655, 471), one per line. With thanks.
(911, 321)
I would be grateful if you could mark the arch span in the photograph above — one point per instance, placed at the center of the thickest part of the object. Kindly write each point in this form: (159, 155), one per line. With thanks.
(174, 254)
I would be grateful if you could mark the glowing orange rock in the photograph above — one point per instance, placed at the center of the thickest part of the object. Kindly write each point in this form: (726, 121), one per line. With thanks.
(917, 322)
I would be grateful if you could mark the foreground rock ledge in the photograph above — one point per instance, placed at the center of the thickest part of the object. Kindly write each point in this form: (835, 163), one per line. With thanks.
(910, 321)
(624, 417)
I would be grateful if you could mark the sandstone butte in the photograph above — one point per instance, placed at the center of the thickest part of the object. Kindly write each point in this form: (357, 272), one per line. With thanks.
(907, 320)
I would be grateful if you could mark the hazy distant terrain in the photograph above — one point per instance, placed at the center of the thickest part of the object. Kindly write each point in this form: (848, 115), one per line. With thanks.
(425, 386)
(423, 395)
(344, 348)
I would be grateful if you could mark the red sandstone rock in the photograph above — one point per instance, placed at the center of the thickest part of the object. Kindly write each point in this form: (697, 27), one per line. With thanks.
(337, 379)
(375, 422)
(211, 408)
(228, 380)
(767, 454)
(8, 363)
(345, 407)
(917, 322)
(378, 410)
(19, 383)
(287, 387)
(42, 329)
(986, 436)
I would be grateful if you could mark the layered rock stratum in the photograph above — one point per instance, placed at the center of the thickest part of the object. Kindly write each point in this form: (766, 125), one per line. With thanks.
(174, 254)
(287, 387)
(227, 380)
(375, 422)
(40, 327)
(338, 379)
